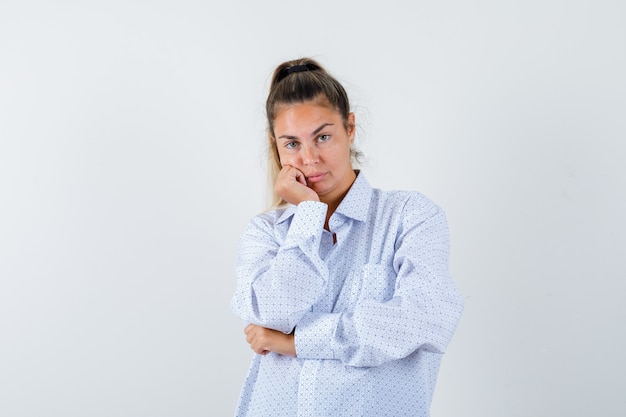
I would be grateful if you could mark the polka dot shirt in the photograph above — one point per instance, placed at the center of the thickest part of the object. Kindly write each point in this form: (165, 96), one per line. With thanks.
(371, 302)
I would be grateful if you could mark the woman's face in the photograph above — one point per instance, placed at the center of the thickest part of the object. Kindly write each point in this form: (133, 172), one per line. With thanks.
(312, 137)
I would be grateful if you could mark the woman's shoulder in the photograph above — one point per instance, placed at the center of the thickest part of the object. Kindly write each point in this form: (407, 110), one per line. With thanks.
(406, 199)
(407, 209)
(272, 216)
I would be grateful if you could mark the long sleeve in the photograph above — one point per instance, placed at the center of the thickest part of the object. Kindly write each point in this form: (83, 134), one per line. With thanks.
(422, 311)
(278, 281)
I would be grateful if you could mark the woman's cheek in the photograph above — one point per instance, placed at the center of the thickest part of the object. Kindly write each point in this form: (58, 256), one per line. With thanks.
(289, 160)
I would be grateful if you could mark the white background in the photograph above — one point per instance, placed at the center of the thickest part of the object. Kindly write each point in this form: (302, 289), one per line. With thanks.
(131, 156)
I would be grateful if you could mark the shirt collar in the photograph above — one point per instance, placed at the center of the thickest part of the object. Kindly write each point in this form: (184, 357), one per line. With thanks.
(354, 205)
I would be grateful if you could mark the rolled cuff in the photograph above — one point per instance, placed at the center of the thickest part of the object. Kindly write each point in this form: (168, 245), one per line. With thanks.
(314, 336)
(307, 224)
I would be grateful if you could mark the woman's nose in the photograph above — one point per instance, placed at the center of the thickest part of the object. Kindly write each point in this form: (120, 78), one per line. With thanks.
(309, 155)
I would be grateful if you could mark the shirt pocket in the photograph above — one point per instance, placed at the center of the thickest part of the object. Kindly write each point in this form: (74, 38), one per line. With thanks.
(377, 283)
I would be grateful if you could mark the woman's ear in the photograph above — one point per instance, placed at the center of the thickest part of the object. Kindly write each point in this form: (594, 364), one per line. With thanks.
(351, 126)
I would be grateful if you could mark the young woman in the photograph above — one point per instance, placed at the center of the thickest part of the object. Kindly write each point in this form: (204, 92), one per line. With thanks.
(346, 287)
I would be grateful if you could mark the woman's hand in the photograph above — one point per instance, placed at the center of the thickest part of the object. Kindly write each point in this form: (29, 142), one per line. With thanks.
(264, 341)
(291, 186)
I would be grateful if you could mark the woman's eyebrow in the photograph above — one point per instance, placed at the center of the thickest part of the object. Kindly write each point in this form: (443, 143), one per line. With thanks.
(319, 129)
(288, 137)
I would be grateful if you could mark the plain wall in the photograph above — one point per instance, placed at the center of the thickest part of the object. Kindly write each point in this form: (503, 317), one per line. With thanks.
(131, 157)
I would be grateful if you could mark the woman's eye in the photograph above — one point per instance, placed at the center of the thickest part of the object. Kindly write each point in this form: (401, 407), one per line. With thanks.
(291, 145)
(323, 138)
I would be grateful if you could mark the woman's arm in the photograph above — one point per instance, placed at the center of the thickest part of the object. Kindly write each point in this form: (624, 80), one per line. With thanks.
(422, 314)
(263, 340)
(278, 282)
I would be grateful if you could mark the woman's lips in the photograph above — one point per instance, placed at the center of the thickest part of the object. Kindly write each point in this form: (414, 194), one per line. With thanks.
(316, 177)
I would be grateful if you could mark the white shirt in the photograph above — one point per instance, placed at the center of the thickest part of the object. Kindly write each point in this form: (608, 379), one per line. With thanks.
(372, 313)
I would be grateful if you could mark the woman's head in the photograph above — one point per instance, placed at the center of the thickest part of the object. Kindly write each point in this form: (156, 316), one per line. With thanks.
(303, 81)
